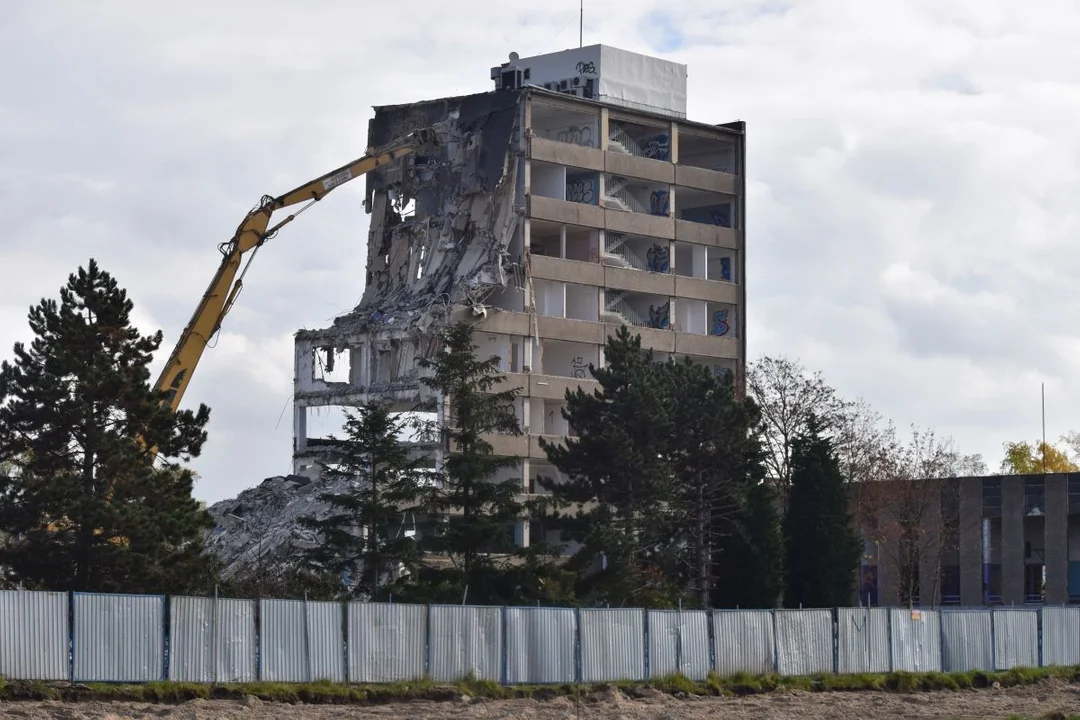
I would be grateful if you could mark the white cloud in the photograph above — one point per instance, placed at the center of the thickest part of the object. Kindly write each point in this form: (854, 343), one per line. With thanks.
(911, 215)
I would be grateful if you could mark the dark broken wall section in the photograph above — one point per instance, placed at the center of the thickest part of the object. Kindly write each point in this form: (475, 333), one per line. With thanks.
(442, 218)
(493, 113)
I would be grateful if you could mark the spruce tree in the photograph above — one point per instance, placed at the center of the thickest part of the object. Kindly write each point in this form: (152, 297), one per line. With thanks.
(822, 548)
(363, 540)
(474, 512)
(750, 565)
(614, 501)
(85, 508)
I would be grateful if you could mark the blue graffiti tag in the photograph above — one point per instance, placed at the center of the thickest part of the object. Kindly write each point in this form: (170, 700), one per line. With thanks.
(658, 257)
(720, 323)
(658, 147)
(660, 316)
(660, 202)
(725, 268)
(720, 218)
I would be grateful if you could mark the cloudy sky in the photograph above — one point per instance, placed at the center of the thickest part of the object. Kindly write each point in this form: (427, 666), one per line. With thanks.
(912, 189)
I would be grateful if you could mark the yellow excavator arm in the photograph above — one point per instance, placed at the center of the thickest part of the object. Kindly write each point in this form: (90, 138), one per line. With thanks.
(252, 233)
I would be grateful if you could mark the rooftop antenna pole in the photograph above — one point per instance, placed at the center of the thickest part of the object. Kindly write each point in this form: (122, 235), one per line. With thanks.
(581, 25)
(1043, 389)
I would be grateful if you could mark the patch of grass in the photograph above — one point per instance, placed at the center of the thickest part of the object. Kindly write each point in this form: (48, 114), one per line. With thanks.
(861, 681)
(678, 683)
(325, 692)
(473, 687)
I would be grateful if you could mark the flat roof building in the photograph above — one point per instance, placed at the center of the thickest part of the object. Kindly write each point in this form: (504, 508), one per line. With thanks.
(998, 539)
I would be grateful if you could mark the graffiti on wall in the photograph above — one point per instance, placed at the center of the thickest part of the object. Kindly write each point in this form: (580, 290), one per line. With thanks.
(719, 217)
(658, 258)
(720, 323)
(658, 147)
(725, 268)
(577, 135)
(660, 316)
(582, 191)
(660, 202)
(585, 68)
(578, 367)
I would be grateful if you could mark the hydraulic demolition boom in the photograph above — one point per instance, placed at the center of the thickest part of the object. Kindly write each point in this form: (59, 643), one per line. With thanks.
(252, 233)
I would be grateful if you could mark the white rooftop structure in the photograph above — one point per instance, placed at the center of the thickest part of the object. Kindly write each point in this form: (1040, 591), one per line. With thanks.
(602, 73)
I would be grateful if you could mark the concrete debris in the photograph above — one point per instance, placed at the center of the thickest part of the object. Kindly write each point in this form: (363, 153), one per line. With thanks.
(260, 531)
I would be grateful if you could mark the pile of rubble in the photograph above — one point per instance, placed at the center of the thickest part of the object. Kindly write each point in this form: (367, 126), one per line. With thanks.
(260, 528)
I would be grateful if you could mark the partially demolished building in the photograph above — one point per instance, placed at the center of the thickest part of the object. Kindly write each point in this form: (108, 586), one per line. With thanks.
(573, 198)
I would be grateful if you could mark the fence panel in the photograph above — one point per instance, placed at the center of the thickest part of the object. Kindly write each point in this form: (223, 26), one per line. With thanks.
(194, 624)
(301, 641)
(612, 644)
(804, 641)
(466, 640)
(34, 635)
(386, 642)
(744, 641)
(119, 638)
(966, 640)
(540, 645)
(862, 640)
(1016, 638)
(915, 640)
(1061, 636)
(678, 642)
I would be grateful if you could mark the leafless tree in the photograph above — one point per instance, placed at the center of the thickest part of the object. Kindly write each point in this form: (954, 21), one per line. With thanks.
(789, 395)
(900, 507)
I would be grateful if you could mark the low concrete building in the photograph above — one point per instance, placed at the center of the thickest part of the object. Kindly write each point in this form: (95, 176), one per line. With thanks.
(997, 539)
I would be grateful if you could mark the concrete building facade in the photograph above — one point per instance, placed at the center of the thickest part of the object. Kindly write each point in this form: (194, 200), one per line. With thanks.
(1000, 539)
(573, 199)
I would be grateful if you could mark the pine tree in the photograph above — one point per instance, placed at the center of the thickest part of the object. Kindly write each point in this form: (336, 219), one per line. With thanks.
(716, 459)
(86, 509)
(363, 539)
(475, 512)
(822, 547)
(618, 477)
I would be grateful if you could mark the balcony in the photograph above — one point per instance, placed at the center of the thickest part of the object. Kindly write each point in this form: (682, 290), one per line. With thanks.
(642, 310)
(566, 242)
(641, 140)
(571, 126)
(636, 252)
(568, 359)
(706, 152)
(701, 317)
(705, 262)
(707, 208)
(566, 300)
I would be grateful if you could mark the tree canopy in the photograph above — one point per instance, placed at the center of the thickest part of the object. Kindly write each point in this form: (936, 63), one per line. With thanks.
(1022, 458)
(85, 507)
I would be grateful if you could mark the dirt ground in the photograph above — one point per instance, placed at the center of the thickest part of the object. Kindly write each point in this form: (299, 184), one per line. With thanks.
(1029, 702)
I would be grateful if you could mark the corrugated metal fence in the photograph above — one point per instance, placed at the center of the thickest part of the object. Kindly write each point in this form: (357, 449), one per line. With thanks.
(138, 638)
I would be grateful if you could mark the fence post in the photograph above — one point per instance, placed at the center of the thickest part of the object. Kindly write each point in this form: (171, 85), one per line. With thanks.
(578, 670)
(888, 639)
(345, 629)
(775, 641)
(678, 640)
(993, 640)
(307, 639)
(214, 639)
(503, 661)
